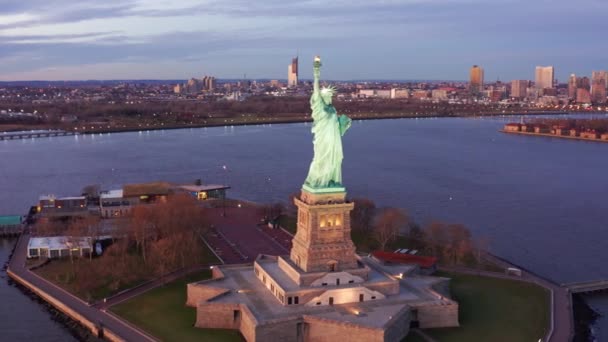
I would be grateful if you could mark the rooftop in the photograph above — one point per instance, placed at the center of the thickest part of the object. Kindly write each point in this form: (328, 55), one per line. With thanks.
(154, 188)
(10, 220)
(404, 258)
(117, 193)
(58, 242)
(206, 187)
(244, 287)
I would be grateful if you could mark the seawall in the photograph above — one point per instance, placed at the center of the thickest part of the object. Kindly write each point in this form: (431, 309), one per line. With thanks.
(97, 330)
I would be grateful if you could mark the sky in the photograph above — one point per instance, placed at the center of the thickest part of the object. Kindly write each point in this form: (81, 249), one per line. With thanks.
(380, 39)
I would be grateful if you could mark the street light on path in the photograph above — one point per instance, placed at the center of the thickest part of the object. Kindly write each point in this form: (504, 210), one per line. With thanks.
(225, 168)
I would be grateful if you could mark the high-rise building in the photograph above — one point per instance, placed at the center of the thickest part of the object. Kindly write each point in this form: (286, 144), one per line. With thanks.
(583, 96)
(292, 73)
(544, 77)
(209, 83)
(599, 80)
(584, 83)
(476, 79)
(572, 86)
(519, 88)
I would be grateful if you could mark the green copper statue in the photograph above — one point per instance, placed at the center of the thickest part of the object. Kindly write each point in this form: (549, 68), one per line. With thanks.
(328, 128)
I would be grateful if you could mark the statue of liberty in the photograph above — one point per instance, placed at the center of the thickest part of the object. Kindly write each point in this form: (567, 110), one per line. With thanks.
(328, 128)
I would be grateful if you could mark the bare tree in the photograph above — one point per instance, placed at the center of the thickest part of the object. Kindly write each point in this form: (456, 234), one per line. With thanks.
(388, 226)
(436, 238)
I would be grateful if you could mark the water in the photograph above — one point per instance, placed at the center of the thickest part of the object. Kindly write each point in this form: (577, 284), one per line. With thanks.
(540, 201)
(21, 318)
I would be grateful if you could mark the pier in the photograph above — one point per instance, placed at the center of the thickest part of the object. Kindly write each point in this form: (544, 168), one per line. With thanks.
(34, 134)
(10, 226)
(587, 286)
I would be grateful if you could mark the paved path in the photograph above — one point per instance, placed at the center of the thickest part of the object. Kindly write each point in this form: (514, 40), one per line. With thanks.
(563, 329)
(238, 238)
(145, 287)
(121, 328)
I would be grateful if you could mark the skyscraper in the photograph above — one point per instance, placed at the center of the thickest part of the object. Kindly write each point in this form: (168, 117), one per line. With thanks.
(572, 86)
(292, 73)
(599, 80)
(519, 88)
(476, 79)
(544, 77)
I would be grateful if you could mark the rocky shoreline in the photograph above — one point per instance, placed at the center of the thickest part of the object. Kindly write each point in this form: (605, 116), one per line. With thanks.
(584, 319)
(74, 328)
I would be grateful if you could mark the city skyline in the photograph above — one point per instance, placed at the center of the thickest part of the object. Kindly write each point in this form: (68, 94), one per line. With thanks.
(62, 40)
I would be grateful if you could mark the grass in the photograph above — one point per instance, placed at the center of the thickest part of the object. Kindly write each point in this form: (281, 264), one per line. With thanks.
(413, 337)
(162, 312)
(90, 279)
(493, 309)
(289, 223)
(78, 278)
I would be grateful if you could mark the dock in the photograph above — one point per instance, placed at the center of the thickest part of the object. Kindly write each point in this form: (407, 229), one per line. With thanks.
(34, 134)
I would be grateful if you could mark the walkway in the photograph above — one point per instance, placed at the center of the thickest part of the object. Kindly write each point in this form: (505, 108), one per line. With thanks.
(145, 287)
(110, 322)
(562, 322)
(238, 238)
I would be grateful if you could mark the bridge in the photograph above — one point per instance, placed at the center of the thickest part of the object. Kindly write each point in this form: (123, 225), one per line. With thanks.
(587, 286)
(34, 134)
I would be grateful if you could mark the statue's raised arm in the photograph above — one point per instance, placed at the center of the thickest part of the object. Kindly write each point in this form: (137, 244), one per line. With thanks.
(327, 128)
(316, 91)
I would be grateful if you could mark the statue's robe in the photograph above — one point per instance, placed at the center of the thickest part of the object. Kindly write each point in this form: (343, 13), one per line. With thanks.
(326, 167)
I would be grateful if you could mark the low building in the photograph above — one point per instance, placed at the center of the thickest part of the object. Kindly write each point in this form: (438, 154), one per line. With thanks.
(526, 128)
(561, 131)
(58, 247)
(400, 93)
(589, 134)
(439, 94)
(604, 136)
(145, 193)
(379, 93)
(113, 204)
(426, 264)
(51, 206)
(420, 94)
(573, 132)
(205, 192)
(512, 127)
(541, 129)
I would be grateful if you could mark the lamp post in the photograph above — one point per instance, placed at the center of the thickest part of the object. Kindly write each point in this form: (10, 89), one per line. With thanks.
(225, 184)
(269, 212)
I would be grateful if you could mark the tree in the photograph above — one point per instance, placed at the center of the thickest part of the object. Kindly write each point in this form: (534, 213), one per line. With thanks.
(459, 243)
(291, 207)
(480, 247)
(435, 237)
(363, 214)
(388, 225)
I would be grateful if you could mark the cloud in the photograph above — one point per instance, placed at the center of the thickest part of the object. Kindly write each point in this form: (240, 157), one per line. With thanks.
(425, 38)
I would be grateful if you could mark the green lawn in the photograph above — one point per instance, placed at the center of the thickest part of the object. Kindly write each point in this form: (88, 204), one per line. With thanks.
(289, 223)
(413, 337)
(162, 312)
(496, 310)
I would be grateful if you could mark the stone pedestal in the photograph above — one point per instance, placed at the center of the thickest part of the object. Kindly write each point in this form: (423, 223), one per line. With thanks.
(322, 242)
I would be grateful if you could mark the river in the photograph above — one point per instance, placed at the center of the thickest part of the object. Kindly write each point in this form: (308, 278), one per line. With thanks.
(540, 201)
